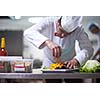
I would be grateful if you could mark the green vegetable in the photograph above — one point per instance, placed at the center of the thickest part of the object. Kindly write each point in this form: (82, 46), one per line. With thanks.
(45, 67)
(90, 66)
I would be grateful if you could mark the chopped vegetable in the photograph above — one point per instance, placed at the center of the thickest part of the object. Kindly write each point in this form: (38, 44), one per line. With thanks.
(45, 67)
(56, 65)
(91, 66)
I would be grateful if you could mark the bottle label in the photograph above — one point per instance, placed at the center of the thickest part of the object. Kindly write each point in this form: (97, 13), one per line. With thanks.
(19, 69)
(19, 66)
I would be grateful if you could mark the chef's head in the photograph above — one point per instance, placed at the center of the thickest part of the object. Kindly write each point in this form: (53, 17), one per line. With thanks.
(67, 24)
(94, 28)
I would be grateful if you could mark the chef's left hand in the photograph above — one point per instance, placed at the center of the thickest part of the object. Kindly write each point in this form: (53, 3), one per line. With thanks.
(72, 63)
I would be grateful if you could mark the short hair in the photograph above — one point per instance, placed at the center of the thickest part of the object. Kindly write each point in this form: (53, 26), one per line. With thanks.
(93, 25)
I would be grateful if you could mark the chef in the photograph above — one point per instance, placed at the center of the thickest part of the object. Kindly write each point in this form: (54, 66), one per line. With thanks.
(57, 36)
(95, 29)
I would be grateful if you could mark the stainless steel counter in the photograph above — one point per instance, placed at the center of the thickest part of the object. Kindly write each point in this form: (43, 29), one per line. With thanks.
(76, 75)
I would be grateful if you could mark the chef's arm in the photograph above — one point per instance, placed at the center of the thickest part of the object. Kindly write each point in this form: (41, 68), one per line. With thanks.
(83, 56)
(86, 51)
(35, 38)
(56, 49)
(38, 33)
(96, 54)
(40, 41)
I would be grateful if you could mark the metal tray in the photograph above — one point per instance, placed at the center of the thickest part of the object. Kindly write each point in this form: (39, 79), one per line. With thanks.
(60, 70)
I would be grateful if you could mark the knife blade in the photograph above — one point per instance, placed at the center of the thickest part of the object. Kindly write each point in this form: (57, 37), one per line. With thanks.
(58, 60)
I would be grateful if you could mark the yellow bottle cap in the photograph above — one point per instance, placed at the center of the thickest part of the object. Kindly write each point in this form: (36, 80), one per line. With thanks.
(2, 42)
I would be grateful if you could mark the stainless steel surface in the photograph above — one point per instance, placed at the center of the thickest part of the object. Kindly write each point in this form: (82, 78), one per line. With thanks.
(49, 76)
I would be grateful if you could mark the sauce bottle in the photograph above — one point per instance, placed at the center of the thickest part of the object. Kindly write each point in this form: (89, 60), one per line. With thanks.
(3, 51)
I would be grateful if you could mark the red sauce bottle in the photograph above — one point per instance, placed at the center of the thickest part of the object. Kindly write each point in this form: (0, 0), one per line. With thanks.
(3, 51)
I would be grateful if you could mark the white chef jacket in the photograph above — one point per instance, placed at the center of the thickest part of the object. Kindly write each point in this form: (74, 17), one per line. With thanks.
(44, 30)
(99, 40)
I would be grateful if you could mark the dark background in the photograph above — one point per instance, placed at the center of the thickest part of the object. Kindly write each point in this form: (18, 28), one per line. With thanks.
(14, 42)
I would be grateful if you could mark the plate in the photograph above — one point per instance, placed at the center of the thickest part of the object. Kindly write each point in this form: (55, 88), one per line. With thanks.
(59, 70)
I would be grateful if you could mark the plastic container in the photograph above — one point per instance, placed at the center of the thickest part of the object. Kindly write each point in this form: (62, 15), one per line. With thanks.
(22, 65)
(5, 66)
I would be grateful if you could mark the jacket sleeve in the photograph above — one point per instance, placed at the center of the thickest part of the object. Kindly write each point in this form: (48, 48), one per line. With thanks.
(86, 49)
(37, 34)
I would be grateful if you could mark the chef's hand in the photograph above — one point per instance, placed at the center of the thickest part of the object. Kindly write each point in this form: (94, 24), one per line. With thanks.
(71, 64)
(56, 50)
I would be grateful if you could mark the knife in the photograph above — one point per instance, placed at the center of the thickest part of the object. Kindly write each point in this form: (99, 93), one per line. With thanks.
(58, 60)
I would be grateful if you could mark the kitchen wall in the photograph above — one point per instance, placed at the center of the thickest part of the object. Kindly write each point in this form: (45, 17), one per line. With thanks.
(14, 42)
